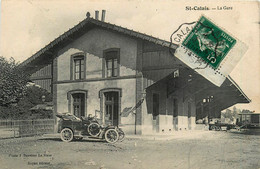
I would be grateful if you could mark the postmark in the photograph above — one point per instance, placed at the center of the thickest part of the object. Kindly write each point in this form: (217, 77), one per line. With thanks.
(179, 35)
(209, 42)
(184, 29)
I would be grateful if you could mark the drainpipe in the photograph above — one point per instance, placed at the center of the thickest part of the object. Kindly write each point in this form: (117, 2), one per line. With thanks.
(135, 121)
(143, 97)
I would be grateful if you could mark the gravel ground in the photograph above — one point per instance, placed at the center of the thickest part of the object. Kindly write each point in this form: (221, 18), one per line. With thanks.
(214, 150)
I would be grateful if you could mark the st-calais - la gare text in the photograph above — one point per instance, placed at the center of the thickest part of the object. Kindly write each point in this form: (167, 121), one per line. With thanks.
(201, 8)
(189, 8)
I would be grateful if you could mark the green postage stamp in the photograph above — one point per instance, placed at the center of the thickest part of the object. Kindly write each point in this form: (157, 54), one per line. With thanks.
(209, 42)
(209, 50)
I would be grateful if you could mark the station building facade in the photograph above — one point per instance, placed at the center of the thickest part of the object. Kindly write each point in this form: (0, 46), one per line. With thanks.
(127, 78)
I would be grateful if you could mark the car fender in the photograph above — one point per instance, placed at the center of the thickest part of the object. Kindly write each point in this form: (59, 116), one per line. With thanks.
(110, 127)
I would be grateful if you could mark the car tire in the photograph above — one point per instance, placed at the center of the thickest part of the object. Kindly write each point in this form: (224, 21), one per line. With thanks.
(111, 136)
(218, 128)
(212, 127)
(66, 135)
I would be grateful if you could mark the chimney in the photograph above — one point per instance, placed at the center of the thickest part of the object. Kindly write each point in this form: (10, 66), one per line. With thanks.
(96, 15)
(88, 15)
(103, 15)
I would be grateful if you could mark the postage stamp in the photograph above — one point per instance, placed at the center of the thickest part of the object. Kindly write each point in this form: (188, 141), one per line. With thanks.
(209, 42)
(209, 50)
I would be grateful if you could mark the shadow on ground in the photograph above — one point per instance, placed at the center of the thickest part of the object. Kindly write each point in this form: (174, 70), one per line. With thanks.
(83, 140)
(247, 132)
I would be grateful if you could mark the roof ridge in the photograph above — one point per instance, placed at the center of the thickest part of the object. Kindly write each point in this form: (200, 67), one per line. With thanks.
(107, 25)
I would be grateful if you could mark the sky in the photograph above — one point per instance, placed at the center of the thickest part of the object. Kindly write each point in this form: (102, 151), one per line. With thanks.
(26, 26)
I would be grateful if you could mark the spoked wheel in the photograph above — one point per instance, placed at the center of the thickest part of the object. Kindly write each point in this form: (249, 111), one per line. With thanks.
(212, 128)
(218, 128)
(94, 129)
(121, 135)
(66, 134)
(111, 136)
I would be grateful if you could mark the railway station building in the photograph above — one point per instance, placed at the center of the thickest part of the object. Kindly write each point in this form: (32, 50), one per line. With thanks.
(127, 78)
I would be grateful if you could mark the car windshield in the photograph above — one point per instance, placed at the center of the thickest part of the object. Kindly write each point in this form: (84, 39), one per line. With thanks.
(67, 116)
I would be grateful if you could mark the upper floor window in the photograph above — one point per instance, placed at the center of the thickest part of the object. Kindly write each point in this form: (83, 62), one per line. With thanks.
(111, 63)
(78, 68)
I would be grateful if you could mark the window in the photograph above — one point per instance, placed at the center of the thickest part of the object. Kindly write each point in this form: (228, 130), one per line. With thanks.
(111, 63)
(79, 67)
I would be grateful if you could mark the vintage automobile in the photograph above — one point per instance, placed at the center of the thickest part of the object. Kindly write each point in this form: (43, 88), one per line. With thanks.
(217, 125)
(71, 127)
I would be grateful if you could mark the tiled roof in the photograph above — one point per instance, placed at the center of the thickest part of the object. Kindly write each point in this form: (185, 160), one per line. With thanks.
(90, 22)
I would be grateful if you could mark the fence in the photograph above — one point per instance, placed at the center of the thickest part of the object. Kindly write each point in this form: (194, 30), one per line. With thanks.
(22, 128)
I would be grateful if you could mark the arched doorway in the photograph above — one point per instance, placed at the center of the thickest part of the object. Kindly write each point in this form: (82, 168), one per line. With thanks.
(111, 108)
(77, 102)
(110, 105)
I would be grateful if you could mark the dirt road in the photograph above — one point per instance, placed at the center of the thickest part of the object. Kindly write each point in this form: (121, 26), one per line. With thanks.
(215, 150)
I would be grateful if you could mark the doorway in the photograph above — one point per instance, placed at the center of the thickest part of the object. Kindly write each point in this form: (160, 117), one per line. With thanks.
(189, 115)
(175, 114)
(111, 108)
(156, 106)
(78, 104)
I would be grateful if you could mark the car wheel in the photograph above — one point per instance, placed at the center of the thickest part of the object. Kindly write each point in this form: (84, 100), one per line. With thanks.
(212, 127)
(94, 129)
(111, 136)
(66, 134)
(218, 128)
(121, 135)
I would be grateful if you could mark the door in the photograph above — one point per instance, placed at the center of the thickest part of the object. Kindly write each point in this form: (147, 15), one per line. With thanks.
(189, 115)
(111, 108)
(78, 104)
(156, 106)
(175, 114)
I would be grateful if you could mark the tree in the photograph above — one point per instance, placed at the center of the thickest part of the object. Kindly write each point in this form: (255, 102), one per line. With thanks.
(231, 114)
(235, 113)
(12, 82)
(227, 114)
(21, 110)
(16, 97)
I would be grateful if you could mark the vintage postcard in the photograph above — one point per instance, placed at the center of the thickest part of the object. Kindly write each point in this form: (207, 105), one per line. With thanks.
(89, 84)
